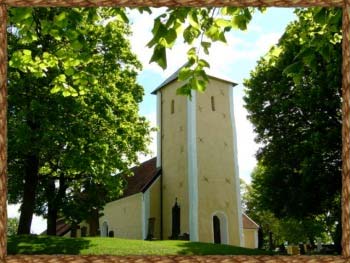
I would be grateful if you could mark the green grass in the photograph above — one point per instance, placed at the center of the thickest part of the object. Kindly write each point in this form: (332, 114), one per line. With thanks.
(114, 246)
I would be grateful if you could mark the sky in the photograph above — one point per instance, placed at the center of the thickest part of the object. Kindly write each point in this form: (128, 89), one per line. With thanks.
(232, 61)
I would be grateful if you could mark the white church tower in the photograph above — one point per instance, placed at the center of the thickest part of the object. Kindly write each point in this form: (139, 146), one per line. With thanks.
(197, 154)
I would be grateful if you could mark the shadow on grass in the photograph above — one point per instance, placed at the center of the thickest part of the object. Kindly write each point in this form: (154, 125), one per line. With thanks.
(32, 244)
(197, 248)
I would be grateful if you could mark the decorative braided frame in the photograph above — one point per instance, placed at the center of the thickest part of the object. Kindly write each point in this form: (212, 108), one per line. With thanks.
(345, 4)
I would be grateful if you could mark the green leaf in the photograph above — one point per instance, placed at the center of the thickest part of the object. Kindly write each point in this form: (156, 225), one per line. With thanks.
(229, 10)
(239, 22)
(185, 73)
(213, 33)
(275, 51)
(122, 17)
(184, 90)
(192, 55)
(159, 56)
(145, 9)
(76, 45)
(193, 20)
(203, 63)
(159, 32)
(171, 37)
(27, 53)
(66, 93)
(190, 34)
(222, 37)
(20, 14)
(69, 71)
(206, 46)
(223, 22)
(292, 69)
(61, 20)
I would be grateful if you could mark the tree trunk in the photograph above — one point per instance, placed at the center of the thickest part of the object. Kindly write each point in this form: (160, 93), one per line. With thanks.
(73, 231)
(345, 242)
(270, 241)
(28, 203)
(51, 220)
(260, 238)
(51, 208)
(338, 238)
(94, 223)
(3, 130)
(54, 201)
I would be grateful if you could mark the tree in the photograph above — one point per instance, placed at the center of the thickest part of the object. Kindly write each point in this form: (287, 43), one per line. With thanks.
(73, 113)
(290, 229)
(12, 225)
(293, 100)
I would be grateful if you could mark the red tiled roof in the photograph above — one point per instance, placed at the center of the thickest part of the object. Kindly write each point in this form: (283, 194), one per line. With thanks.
(144, 176)
(62, 228)
(248, 223)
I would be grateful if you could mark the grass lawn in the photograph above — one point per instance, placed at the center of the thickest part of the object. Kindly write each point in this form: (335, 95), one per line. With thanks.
(31, 245)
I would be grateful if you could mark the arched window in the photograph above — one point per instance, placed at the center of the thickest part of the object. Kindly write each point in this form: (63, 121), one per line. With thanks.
(172, 109)
(212, 103)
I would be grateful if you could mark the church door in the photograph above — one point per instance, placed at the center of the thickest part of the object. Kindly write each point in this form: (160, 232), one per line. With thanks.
(216, 226)
(175, 229)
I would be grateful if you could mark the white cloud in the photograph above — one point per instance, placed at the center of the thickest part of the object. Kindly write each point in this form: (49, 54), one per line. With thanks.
(152, 118)
(12, 211)
(141, 28)
(38, 222)
(246, 145)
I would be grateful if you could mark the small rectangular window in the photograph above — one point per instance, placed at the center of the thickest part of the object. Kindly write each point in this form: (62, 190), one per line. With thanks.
(212, 103)
(172, 106)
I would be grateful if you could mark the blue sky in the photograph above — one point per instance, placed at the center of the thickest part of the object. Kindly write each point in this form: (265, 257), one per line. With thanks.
(233, 61)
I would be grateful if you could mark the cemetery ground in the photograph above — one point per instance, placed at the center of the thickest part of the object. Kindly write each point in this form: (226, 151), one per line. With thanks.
(35, 245)
(44, 249)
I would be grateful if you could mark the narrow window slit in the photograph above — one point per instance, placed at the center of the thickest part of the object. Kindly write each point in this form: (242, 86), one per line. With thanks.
(212, 103)
(172, 106)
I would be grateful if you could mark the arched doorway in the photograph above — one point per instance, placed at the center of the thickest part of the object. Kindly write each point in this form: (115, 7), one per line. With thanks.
(220, 228)
(216, 228)
(104, 229)
(175, 228)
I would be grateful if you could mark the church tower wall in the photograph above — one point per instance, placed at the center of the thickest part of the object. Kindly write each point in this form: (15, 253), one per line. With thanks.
(198, 157)
(217, 176)
(174, 157)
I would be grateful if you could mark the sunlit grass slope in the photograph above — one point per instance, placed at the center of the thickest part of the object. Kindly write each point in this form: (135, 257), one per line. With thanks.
(115, 246)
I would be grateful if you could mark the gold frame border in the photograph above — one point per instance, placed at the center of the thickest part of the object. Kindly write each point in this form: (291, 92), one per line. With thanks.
(345, 4)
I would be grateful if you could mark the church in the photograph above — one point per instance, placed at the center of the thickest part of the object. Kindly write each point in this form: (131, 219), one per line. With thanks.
(191, 190)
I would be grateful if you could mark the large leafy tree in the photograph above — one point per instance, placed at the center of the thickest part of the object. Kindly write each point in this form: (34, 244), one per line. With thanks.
(73, 109)
(293, 100)
(274, 231)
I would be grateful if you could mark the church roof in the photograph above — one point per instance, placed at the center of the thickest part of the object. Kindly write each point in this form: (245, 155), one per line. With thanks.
(175, 75)
(248, 223)
(144, 175)
(62, 228)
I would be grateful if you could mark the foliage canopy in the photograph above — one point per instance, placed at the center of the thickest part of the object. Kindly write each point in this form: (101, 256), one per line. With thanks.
(73, 109)
(294, 102)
